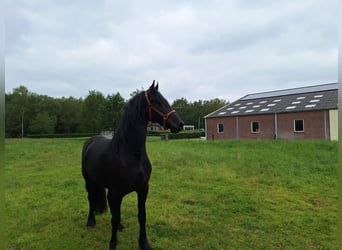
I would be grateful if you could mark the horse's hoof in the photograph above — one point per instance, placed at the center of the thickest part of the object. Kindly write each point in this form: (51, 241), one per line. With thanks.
(144, 245)
(91, 224)
(112, 246)
(120, 227)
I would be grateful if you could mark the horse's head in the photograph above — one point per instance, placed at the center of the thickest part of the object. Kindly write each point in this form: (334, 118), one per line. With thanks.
(160, 111)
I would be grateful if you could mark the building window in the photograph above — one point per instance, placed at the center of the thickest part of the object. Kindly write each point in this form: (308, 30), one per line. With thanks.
(298, 125)
(220, 128)
(255, 127)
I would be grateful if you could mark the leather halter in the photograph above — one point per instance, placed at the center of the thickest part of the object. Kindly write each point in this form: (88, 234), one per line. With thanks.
(150, 108)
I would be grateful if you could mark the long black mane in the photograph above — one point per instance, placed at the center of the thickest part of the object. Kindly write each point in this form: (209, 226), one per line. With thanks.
(133, 114)
(133, 124)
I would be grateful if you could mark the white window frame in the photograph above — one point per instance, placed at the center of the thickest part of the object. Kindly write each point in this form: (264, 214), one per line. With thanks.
(218, 128)
(294, 126)
(258, 130)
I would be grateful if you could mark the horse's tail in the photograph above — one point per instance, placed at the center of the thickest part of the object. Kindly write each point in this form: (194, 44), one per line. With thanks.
(97, 196)
(96, 193)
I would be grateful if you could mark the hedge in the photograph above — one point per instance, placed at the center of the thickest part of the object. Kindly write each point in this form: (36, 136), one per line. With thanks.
(186, 135)
(60, 135)
(156, 133)
(162, 134)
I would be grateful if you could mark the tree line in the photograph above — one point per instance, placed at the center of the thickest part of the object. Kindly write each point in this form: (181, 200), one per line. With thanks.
(31, 113)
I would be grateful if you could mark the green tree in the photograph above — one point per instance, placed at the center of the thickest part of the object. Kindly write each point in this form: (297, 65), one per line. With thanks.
(182, 108)
(43, 124)
(113, 109)
(25, 111)
(39, 104)
(69, 117)
(193, 113)
(93, 112)
(16, 108)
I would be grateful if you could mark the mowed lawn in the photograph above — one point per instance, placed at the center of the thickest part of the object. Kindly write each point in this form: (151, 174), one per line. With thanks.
(203, 195)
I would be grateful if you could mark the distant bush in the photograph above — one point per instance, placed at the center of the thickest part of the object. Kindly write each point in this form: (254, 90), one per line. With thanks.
(181, 135)
(156, 133)
(60, 135)
(186, 135)
(162, 134)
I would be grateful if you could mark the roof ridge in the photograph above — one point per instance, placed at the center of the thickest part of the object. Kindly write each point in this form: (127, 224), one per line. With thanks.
(291, 91)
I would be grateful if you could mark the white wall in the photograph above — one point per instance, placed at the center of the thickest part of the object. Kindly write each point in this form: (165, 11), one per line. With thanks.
(333, 117)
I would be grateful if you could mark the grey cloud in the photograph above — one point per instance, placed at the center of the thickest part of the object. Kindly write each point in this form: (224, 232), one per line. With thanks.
(67, 48)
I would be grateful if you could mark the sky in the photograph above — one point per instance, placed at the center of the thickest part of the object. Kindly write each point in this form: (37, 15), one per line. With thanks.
(196, 49)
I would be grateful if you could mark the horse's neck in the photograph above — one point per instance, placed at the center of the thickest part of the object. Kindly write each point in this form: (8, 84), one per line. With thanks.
(135, 135)
(131, 136)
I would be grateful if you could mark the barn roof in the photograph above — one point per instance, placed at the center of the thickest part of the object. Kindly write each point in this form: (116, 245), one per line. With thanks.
(318, 97)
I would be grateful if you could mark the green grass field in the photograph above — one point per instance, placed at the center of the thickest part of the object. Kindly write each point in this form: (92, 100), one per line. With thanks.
(203, 195)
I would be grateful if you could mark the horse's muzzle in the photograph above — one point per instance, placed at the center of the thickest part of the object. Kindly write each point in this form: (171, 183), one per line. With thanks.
(175, 123)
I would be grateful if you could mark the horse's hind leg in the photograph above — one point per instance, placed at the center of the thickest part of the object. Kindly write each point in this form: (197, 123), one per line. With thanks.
(91, 199)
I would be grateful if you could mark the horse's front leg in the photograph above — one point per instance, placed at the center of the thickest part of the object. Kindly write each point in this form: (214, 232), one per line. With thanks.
(142, 195)
(114, 201)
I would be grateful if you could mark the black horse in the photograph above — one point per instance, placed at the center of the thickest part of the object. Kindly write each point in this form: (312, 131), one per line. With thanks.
(121, 164)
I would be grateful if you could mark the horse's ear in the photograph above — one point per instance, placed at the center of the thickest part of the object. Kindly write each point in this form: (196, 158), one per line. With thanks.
(152, 86)
(157, 86)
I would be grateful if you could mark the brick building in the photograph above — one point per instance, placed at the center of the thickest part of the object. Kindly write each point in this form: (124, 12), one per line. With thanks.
(301, 113)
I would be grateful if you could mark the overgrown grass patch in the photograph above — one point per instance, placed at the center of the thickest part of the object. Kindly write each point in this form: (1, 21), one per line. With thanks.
(203, 195)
